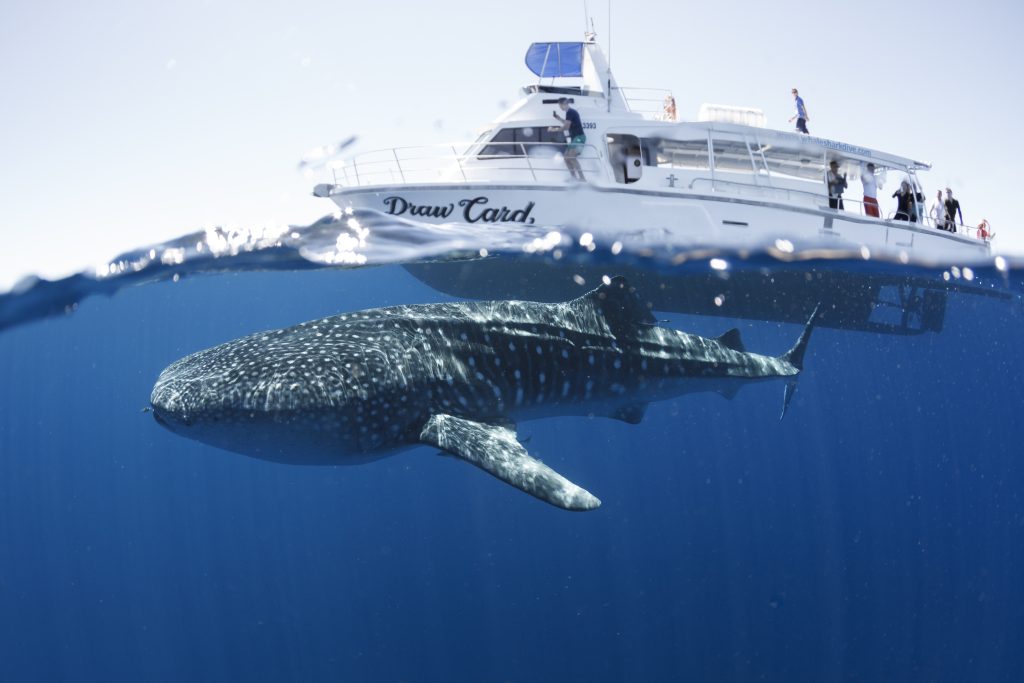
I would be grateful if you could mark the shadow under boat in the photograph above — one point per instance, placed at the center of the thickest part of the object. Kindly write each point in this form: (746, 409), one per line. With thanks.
(880, 302)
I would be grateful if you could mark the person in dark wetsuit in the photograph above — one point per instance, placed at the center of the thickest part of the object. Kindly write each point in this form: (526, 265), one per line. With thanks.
(906, 207)
(572, 125)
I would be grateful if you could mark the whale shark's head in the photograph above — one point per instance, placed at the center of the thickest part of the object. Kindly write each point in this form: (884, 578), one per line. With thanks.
(240, 398)
(198, 406)
(205, 402)
(180, 401)
(206, 393)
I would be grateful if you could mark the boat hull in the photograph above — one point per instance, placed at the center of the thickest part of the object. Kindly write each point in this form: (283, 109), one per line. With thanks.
(667, 218)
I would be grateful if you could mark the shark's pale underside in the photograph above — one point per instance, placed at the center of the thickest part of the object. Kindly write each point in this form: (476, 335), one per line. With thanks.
(456, 376)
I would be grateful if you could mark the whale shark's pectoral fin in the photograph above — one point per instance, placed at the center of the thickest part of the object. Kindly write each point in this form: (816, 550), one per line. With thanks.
(632, 413)
(729, 391)
(494, 449)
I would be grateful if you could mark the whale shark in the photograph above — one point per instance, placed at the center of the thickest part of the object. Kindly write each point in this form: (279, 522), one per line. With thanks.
(459, 377)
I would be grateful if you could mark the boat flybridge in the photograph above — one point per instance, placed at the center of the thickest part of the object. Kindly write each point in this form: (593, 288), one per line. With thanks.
(724, 180)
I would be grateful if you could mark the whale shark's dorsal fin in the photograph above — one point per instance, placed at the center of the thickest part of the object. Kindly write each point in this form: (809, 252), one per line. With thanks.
(619, 303)
(494, 449)
(732, 340)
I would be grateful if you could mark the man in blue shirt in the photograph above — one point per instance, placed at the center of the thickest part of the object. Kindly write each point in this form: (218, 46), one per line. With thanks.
(573, 126)
(801, 114)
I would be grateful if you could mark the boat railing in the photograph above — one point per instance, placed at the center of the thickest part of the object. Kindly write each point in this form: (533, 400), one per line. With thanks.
(477, 162)
(651, 103)
(821, 201)
(958, 228)
(927, 221)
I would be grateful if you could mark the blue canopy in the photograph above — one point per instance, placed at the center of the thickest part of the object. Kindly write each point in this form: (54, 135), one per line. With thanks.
(551, 60)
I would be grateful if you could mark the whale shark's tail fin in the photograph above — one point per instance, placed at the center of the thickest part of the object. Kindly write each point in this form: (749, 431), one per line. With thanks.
(795, 357)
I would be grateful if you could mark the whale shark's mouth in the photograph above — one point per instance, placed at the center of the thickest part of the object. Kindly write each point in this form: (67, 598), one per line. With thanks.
(169, 421)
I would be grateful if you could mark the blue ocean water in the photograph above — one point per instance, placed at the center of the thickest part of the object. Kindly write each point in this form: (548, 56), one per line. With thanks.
(875, 534)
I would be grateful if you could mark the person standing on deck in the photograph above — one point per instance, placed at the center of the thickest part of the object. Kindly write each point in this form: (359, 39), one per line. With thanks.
(952, 209)
(870, 183)
(836, 185)
(938, 212)
(573, 126)
(918, 201)
(801, 113)
(904, 197)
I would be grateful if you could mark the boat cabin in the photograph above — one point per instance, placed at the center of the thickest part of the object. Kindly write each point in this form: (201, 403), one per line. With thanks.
(635, 142)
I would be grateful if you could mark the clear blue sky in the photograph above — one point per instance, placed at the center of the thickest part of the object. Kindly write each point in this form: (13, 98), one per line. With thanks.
(125, 123)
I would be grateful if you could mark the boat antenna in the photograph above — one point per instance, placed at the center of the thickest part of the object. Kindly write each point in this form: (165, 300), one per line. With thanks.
(588, 24)
(609, 34)
(608, 95)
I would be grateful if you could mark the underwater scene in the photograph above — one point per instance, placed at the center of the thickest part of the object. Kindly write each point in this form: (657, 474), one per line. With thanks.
(379, 465)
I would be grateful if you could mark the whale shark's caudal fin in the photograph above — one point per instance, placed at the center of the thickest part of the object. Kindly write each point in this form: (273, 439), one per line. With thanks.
(795, 357)
(494, 449)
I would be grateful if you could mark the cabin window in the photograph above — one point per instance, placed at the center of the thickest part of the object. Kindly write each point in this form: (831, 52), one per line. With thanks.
(501, 144)
(686, 154)
(732, 154)
(801, 164)
(521, 141)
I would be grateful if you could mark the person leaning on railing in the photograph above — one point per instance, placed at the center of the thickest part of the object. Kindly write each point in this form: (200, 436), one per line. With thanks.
(984, 230)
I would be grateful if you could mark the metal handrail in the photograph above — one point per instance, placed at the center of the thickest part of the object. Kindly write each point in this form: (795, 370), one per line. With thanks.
(963, 230)
(402, 165)
(646, 106)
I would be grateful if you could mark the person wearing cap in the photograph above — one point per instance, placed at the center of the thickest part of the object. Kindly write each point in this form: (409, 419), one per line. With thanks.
(801, 114)
(870, 183)
(952, 209)
(836, 185)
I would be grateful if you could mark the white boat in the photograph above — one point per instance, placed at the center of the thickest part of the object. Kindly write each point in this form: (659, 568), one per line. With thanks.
(724, 180)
